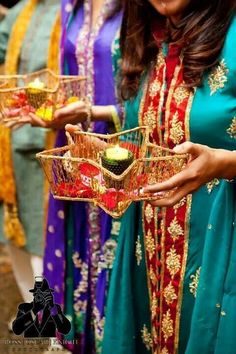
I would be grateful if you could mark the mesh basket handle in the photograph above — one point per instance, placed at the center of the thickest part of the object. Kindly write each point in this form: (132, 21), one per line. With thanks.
(70, 139)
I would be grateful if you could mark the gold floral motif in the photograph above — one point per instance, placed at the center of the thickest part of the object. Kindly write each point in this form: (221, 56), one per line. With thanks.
(173, 261)
(175, 229)
(179, 204)
(154, 88)
(232, 129)
(194, 283)
(138, 251)
(210, 185)
(169, 294)
(115, 228)
(108, 255)
(154, 305)
(150, 117)
(152, 276)
(218, 77)
(149, 213)
(146, 337)
(164, 350)
(176, 130)
(150, 244)
(167, 326)
(98, 324)
(154, 336)
(180, 94)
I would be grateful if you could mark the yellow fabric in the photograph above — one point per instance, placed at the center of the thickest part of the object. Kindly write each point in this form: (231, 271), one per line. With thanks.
(12, 226)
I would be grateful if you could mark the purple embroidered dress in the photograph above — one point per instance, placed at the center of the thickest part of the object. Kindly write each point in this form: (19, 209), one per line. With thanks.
(79, 251)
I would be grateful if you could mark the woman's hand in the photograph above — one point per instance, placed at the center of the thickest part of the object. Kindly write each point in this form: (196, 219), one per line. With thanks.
(204, 165)
(73, 113)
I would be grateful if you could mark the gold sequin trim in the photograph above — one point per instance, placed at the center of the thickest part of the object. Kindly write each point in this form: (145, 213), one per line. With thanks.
(150, 244)
(232, 129)
(169, 294)
(146, 337)
(115, 228)
(176, 130)
(154, 305)
(194, 283)
(138, 251)
(175, 229)
(218, 77)
(212, 184)
(149, 213)
(167, 326)
(173, 261)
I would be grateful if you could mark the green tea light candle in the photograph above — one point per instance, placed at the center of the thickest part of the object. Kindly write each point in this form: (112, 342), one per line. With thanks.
(117, 159)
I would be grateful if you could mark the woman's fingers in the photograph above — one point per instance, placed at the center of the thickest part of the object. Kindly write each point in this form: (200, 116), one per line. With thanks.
(174, 196)
(71, 128)
(38, 122)
(71, 109)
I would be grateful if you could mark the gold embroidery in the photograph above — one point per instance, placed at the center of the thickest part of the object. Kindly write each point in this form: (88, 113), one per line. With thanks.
(218, 77)
(150, 244)
(138, 251)
(180, 94)
(150, 117)
(173, 261)
(232, 129)
(152, 276)
(169, 294)
(149, 213)
(210, 185)
(160, 58)
(154, 88)
(167, 325)
(115, 228)
(218, 306)
(98, 324)
(176, 130)
(223, 313)
(154, 306)
(194, 283)
(175, 229)
(146, 337)
(179, 204)
(164, 351)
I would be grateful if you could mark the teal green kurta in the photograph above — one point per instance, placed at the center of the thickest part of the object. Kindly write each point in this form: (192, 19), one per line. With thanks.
(27, 141)
(208, 306)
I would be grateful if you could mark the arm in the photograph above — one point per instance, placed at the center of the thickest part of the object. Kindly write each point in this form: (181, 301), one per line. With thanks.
(24, 320)
(204, 165)
(62, 323)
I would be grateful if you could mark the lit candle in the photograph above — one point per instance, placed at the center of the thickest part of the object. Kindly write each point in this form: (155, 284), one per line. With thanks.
(36, 84)
(117, 153)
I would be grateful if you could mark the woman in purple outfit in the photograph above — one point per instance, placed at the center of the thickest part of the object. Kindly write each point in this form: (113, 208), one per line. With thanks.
(79, 247)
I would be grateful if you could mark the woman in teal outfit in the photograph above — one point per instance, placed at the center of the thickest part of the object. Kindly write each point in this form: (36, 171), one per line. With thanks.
(178, 77)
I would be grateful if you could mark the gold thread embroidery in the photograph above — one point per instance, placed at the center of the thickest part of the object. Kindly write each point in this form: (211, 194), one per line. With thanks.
(146, 337)
(154, 88)
(138, 251)
(164, 350)
(175, 229)
(194, 283)
(150, 117)
(150, 244)
(218, 77)
(232, 129)
(210, 185)
(98, 324)
(152, 276)
(169, 294)
(173, 261)
(115, 228)
(154, 305)
(176, 130)
(180, 94)
(167, 326)
(149, 213)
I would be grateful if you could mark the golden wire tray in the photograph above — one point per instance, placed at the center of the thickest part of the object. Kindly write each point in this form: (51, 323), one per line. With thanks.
(41, 93)
(78, 171)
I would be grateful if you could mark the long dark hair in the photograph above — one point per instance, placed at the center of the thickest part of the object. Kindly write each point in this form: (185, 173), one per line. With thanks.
(201, 32)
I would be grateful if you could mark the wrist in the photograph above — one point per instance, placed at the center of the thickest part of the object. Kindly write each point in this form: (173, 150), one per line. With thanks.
(226, 160)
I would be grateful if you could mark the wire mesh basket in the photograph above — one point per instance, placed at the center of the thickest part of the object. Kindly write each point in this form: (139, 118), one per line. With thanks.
(83, 171)
(41, 93)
